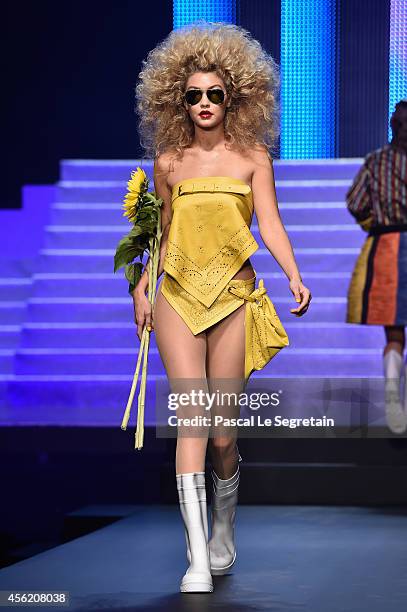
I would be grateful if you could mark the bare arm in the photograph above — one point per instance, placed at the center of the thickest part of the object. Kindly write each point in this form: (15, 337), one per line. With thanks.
(272, 230)
(142, 306)
(162, 191)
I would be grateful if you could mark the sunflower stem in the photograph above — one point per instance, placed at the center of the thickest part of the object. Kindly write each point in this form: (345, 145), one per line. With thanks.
(137, 197)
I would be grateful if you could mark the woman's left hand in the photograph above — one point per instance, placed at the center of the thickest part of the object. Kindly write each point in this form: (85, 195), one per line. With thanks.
(301, 294)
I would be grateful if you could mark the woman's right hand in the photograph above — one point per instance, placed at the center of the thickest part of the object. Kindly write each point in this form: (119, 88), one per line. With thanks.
(143, 315)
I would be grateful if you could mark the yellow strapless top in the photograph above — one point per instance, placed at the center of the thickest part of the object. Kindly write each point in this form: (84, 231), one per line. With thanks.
(209, 237)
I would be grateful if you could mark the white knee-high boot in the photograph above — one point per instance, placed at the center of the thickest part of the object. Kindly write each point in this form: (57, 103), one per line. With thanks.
(192, 500)
(395, 415)
(217, 537)
(222, 549)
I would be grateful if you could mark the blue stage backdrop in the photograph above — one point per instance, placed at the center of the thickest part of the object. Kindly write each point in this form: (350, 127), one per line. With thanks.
(397, 54)
(344, 67)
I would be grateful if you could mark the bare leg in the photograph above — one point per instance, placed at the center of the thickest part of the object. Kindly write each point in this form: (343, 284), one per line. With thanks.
(395, 338)
(225, 360)
(225, 368)
(183, 355)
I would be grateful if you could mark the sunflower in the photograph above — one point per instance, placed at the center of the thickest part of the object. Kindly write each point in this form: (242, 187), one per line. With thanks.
(136, 186)
(143, 210)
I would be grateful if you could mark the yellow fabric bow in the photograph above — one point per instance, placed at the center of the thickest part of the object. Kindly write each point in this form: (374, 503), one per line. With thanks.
(265, 334)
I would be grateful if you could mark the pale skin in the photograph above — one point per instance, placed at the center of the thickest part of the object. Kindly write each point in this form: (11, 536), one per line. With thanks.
(217, 352)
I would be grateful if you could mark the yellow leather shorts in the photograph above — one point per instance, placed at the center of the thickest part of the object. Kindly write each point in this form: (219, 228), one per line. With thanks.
(264, 333)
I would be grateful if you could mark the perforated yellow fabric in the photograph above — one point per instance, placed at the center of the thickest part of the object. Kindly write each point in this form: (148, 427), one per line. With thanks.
(208, 242)
(265, 334)
(196, 315)
(209, 237)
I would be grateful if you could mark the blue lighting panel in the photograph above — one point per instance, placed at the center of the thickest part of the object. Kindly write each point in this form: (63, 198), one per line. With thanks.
(308, 79)
(187, 11)
(397, 55)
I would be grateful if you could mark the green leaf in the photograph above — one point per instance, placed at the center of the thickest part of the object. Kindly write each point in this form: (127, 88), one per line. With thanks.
(133, 273)
(136, 231)
(126, 251)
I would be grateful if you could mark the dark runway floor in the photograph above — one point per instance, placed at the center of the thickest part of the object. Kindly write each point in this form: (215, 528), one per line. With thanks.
(289, 558)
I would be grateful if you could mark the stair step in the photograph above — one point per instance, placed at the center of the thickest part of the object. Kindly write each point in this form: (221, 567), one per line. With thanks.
(123, 335)
(105, 360)
(12, 311)
(100, 400)
(120, 309)
(101, 237)
(101, 260)
(287, 190)
(9, 336)
(105, 285)
(120, 169)
(109, 213)
(6, 360)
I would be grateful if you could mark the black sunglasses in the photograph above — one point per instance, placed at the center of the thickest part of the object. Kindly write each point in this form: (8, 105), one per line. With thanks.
(193, 96)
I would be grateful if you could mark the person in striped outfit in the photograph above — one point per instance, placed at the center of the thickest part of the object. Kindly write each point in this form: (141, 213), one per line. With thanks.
(377, 293)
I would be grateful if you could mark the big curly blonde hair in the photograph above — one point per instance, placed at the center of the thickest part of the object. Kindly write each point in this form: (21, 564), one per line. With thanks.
(250, 74)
